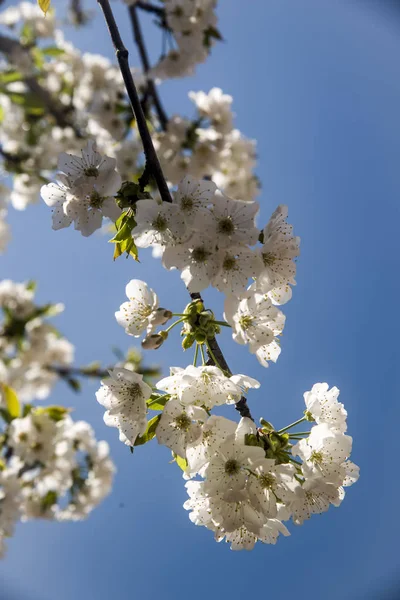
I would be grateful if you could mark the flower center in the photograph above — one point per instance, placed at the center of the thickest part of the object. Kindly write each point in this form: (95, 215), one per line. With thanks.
(229, 263)
(183, 422)
(91, 171)
(232, 467)
(226, 226)
(23, 437)
(95, 200)
(317, 457)
(267, 480)
(246, 321)
(200, 254)
(187, 203)
(178, 12)
(160, 223)
(134, 390)
(268, 258)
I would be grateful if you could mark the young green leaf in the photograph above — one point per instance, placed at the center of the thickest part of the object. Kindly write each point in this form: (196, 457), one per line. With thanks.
(150, 431)
(11, 401)
(44, 5)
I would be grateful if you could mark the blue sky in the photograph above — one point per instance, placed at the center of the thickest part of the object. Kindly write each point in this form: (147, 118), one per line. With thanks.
(317, 84)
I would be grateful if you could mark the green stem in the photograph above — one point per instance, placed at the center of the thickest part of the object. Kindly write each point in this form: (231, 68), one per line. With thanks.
(222, 323)
(299, 433)
(296, 462)
(196, 353)
(203, 358)
(173, 325)
(292, 425)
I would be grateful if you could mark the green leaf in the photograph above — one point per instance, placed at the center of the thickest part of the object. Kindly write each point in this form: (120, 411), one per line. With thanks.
(27, 409)
(44, 5)
(5, 416)
(56, 413)
(157, 402)
(73, 383)
(123, 240)
(10, 77)
(30, 101)
(53, 51)
(11, 400)
(48, 500)
(181, 462)
(150, 431)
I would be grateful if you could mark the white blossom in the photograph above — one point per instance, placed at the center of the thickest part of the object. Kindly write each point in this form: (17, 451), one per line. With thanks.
(234, 221)
(180, 426)
(124, 396)
(238, 263)
(140, 312)
(279, 249)
(322, 404)
(194, 198)
(256, 322)
(323, 454)
(158, 224)
(85, 191)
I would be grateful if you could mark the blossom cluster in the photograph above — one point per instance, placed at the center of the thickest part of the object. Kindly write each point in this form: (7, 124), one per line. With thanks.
(89, 91)
(244, 481)
(192, 28)
(50, 468)
(209, 237)
(209, 146)
(30, 347)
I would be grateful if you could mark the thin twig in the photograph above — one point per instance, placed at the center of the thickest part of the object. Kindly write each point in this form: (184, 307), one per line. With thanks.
(151, 8)
(151, 157)
(98, 373)
(122, 56)
(144, 58)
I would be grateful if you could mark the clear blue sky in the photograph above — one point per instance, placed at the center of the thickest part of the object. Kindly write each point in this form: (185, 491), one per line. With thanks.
(317, 83)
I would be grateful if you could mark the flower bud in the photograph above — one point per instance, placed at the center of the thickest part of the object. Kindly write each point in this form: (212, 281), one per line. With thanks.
(204, 318)
(200, 336)
(267, 425)
(154, 341)
(161, 316)
(188, 341)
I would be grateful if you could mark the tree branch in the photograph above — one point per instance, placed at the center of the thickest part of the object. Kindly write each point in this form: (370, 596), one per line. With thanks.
(151, 157)
(151, 8)
(152, 90)
(98, 373)
(122, 56)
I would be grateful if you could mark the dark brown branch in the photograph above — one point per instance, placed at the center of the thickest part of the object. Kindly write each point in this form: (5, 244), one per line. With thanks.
(152, 159)
(151, 8)
(122, 56)
(97, 373)
(241, 406)
(152, 90)
(12, 48)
